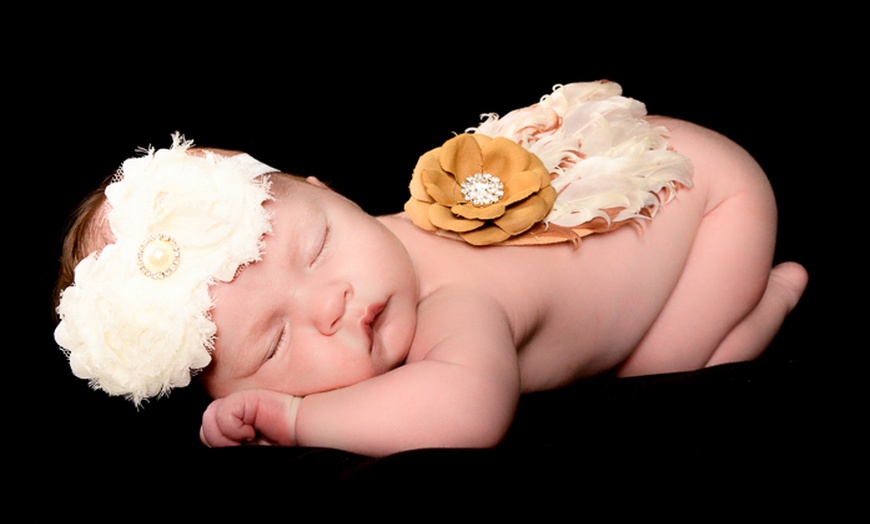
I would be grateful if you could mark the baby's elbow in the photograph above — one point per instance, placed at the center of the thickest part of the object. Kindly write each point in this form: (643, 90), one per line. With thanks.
(483, 424)
(478, 433)
(488, 434)
(458, 430)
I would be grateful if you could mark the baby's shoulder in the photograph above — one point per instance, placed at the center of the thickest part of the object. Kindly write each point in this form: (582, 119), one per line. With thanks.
(458, 317)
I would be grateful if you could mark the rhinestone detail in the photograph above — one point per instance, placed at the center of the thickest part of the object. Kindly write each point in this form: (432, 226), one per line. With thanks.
(482, 189)
(158, 256)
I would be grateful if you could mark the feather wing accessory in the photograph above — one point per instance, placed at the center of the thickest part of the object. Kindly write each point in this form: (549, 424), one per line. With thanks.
(608, 166)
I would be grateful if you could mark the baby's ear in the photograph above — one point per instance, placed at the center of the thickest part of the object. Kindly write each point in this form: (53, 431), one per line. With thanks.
(313, 180)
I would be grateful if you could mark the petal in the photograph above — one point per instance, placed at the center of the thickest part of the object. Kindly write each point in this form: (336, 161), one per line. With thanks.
(439, 185)
(461, 156)
(489, 212)
(485, 236)
(429, 160)
(549, 194)
(504, 158)
(537, 165)
(521, 186)
(523, 216)
(442, 218)
(426, 161)
(418, 189)
(419, 213)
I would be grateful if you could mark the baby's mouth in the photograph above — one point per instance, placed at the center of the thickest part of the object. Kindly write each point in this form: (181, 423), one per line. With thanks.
(373, 314)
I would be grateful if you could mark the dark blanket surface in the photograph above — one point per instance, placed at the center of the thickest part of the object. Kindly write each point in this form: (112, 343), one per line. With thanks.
(749, 419)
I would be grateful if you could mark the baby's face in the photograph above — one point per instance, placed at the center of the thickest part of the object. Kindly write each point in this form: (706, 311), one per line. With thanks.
(331, 303)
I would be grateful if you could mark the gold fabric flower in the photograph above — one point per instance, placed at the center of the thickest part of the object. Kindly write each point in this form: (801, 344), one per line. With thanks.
(486, 190)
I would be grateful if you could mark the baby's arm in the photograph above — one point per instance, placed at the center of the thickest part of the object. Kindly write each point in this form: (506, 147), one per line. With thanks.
(463, 393)
(251, 416)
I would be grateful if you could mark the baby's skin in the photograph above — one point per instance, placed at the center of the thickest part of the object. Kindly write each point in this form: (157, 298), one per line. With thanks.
(372, 335)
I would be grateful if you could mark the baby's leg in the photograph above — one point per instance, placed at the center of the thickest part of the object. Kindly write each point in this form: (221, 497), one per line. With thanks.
(754, 333)
(728, 303)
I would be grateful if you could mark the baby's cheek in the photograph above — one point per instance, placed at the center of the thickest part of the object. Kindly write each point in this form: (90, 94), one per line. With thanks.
(212, 385)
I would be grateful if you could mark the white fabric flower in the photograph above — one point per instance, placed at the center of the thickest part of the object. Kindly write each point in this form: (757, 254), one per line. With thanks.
(135, 335)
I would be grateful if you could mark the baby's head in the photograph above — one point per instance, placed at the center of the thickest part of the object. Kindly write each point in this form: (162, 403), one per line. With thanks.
(189, 257)
(331, 303)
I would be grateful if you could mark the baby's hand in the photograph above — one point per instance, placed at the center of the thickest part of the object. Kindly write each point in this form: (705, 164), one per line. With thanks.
(254, 416)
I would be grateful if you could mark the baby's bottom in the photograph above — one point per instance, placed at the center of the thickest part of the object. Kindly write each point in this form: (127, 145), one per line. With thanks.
(728, 303)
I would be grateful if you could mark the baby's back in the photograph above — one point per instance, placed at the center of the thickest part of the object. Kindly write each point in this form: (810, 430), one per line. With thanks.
(577, 313)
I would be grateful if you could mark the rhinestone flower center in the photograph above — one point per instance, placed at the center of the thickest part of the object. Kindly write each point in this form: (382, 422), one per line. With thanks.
(159, 256)
(482, 189)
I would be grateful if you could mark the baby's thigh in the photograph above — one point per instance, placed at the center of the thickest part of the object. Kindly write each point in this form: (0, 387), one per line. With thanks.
(729, 260)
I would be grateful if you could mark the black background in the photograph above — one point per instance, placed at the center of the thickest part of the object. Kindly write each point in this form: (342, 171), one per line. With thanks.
(354, 102)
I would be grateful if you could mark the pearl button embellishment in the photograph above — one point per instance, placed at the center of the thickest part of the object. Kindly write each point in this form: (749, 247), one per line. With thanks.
(159, 256)
(482, 189)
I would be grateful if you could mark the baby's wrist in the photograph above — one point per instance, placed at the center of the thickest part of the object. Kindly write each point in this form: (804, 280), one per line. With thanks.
(292, 413)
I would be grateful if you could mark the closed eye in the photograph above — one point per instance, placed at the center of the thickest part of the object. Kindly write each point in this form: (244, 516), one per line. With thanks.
(323, 245)
(279, 343)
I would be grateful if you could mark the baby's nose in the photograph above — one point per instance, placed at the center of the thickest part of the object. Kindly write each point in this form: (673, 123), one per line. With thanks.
(331, 307)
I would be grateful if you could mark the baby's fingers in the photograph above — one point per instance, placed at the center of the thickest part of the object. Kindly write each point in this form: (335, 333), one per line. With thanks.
(224, 426)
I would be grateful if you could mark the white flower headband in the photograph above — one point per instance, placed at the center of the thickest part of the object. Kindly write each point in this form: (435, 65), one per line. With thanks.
(136, 320)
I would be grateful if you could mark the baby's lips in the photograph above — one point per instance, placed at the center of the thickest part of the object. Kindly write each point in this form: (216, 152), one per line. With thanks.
(371, 316)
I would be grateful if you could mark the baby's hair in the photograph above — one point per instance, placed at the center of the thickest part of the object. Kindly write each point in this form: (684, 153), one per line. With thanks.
(84, 235)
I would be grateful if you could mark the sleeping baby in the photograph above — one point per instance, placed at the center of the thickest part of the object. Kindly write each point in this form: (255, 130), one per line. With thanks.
(570, 238)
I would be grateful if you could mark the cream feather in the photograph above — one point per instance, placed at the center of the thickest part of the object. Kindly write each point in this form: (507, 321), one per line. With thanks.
(601, 152)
